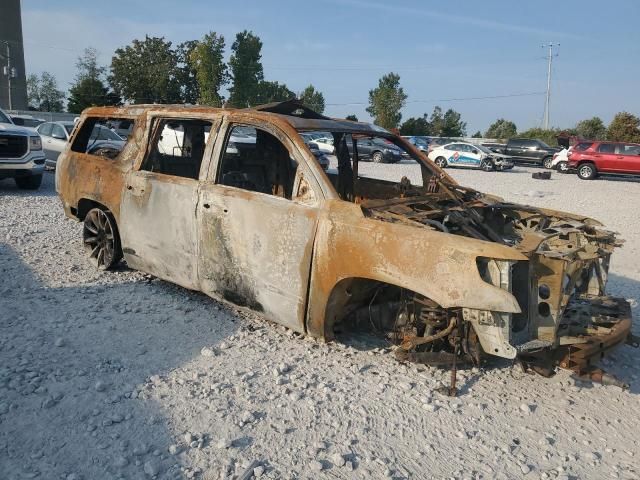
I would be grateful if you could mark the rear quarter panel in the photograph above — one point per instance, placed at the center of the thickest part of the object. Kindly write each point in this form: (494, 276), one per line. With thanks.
(101, 179)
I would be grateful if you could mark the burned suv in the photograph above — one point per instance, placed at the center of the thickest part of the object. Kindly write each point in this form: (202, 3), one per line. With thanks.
(446, 272)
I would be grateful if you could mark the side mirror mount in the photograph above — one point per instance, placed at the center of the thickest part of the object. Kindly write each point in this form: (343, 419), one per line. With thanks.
(474, 151)
(305, 194)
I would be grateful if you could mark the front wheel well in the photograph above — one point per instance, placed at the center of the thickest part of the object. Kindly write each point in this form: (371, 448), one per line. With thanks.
(352, 294)
(419, 326)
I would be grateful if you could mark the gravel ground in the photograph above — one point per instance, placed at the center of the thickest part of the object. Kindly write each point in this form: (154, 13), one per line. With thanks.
(120, 375)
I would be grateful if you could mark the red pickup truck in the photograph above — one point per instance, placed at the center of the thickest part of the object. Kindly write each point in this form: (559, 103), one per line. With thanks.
(605, 157)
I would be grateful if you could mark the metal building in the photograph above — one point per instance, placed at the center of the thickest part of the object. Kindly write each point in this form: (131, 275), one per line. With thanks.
(13, 81)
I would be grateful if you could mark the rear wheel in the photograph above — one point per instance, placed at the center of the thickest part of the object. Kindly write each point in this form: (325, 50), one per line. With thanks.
(101, 239)
(377, 157)
(546, 163)
(31, 182)
(441, 162)
(487, 165)
(563, 167)
(587, 171)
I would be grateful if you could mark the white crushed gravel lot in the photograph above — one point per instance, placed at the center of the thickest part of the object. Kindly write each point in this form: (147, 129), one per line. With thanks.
(119, 375)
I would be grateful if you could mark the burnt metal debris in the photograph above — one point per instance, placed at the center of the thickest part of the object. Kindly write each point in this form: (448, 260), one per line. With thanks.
(236, 206)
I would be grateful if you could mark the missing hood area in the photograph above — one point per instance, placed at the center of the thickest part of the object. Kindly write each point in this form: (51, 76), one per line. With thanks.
(566, 319)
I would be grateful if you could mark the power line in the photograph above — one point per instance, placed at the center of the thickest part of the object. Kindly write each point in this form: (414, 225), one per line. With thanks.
(488, 97)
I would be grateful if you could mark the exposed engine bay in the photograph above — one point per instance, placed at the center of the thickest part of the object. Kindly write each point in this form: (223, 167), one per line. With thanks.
(566, 320)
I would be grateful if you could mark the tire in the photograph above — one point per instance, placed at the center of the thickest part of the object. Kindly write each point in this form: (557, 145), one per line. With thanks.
(441, 162)
(31, 182)
(487, 165)
(101, 239)
(377, 157)
(587, 171)
(563, 167)
(546, 163)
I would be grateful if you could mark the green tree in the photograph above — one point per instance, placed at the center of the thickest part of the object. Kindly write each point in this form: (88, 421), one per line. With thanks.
(501, 128)
(33, 91)
(452, 124)
(478, 134)
(89, 88)
(146, 71)
(351, 117)
(591, 129)
(43, 93)
(386, 101)
(206, 59)
(550, 136)
(436, 121)
(313, 99)
(90, 92)
(246, 70)
(415, 126)
(185, 73)
(273, 92)
(624, 128)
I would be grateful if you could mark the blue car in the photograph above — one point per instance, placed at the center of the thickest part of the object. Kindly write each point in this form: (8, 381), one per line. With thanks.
(421, 143)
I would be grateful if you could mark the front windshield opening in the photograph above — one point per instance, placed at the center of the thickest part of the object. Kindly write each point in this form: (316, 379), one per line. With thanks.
(364, 166)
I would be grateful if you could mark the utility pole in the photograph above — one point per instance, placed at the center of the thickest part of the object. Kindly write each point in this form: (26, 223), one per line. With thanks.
(9, 71)
(546, 103)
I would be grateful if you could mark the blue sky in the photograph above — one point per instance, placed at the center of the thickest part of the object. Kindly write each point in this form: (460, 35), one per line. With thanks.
(441, 50)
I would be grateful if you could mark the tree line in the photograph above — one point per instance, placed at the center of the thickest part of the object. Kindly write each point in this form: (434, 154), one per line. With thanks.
(624, 127)
(153, 70)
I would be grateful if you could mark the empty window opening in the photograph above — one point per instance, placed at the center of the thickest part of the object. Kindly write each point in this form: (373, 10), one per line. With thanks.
(177, 147)
(256, 160)
(96, 136)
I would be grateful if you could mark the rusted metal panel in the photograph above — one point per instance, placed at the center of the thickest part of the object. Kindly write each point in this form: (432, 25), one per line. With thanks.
(256, 250)
(348, 245)
(83, 176)
(158, 230)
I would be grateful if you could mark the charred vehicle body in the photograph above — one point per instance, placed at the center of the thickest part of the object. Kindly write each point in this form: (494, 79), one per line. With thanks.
(446, 272)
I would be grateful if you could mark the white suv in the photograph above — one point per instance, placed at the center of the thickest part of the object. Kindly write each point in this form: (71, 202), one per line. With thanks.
(21, 155)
